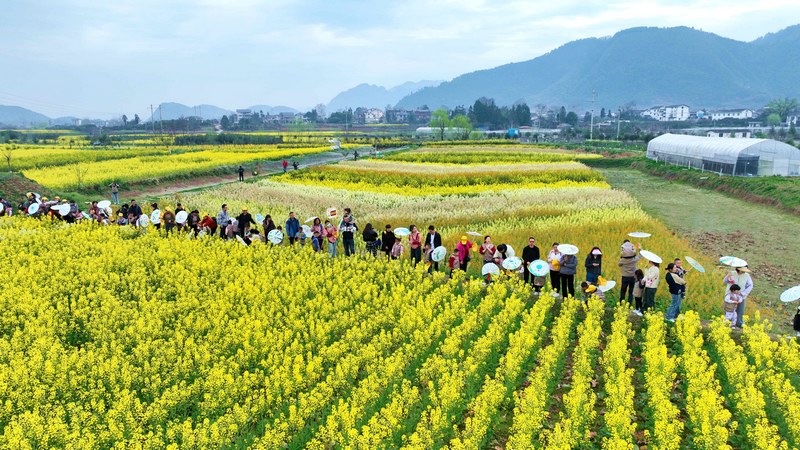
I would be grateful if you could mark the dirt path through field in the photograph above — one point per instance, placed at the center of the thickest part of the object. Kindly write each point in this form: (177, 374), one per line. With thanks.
(721, 225)
(265, 170)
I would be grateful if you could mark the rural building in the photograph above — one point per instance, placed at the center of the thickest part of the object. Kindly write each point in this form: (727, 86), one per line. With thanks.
(727, 156)
(732, 114)
(671, 113)
(733, 134)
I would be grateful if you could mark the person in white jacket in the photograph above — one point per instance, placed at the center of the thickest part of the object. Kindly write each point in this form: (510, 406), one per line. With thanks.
(739, 276)
(651, 276)
(155, 216)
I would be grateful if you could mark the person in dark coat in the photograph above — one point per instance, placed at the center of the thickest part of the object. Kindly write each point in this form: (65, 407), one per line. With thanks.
(530, 254)
(594, 265)
(387, 241)
(241, 173)
(245, 219)
(135, 209)
(435, 240)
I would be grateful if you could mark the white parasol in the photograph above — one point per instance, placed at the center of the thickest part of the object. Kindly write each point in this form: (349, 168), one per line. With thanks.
(791, 294)
(639, 234)
(733, 261)
(650, 256)
(692, 262)
(275, 236)
(103, 204)
(438, 253)
(568, 249)
(539, 268)
(490, 269)
(181, 217)
(512, 263)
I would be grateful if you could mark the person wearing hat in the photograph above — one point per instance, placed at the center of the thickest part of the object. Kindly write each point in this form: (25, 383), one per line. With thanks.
(741, 277)
(590, 289)
(121, 220)
(594, 265)
(245, 219)
(463, 247)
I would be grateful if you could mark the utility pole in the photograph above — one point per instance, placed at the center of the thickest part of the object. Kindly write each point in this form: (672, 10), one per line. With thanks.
(619, 113)
(591, 127)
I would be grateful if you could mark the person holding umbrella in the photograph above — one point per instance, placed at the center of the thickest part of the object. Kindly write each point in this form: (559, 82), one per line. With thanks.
(530, 254)
(741, 277)
(651, 277)
(627, 267)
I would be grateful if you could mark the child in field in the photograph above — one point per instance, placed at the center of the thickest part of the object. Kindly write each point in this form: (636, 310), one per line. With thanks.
(397, 248)
(638, 291)
(732, 300)
(426, 256)
(538, 283)
(590, 289)
(301, 236)
(454, 262)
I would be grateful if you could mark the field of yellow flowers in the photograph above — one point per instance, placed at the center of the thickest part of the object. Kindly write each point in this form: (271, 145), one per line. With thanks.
(59, 167)
(126, 338)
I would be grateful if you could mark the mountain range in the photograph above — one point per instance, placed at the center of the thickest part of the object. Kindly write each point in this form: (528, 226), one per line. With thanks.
(372, 96)
(641, 66)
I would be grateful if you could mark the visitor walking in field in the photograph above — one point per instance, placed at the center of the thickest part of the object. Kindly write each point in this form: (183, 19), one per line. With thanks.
(638, 291)
(155, 216)
(348, 232)
(487, 250)
(370, 237)
(268, 224)
(627, 268)
(567, 271)
(415, 244)
(292, 227)
(241, 173)
(676, 286)
(435, 240)
(223, 219)
(651, 277)
(245, 220)
(739, 276)
(332, 236)
(397, 248)
(530, 254)
(463, 247)
(169, 220)
(387, 241)
(285, 165)
(594, 265)
(114, 192)
(554, 259)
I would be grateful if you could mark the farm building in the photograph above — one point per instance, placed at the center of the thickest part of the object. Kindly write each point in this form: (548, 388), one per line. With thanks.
(727, 156)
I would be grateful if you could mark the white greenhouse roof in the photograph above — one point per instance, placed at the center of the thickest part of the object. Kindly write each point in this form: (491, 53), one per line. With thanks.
(721, 149)
(775, 158)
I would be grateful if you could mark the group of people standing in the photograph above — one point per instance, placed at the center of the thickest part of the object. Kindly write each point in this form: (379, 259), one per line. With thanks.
(638, 286)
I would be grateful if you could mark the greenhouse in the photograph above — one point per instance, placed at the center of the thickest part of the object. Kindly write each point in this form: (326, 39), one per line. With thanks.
(727, 156)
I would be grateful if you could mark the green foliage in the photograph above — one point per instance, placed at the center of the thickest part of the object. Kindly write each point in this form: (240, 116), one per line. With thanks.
(782, 107)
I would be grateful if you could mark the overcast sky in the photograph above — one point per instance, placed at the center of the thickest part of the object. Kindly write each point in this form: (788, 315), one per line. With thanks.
(105, 58)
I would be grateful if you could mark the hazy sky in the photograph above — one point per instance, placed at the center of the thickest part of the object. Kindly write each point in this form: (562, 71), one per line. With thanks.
(105, 58)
